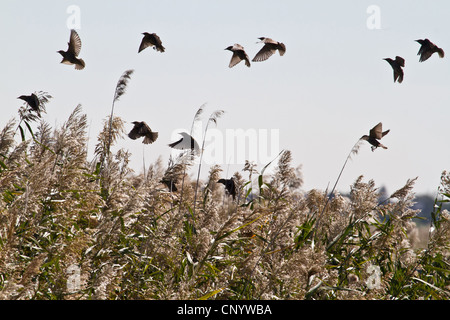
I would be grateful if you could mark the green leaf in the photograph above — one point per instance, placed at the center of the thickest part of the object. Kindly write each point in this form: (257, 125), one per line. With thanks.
(210, 294)
(29, 128)
(3, 165)
(22, 133)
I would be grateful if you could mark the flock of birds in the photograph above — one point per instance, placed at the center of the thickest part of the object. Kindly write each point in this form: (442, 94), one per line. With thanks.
(427, 49)
(187, 142)
(141, 128)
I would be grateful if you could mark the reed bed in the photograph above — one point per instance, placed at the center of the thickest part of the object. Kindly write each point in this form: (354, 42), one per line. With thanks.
(79, 228)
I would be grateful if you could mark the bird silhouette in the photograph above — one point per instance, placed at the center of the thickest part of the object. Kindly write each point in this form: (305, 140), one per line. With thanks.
(375, 134)
(427, 48)
(151, 39)
(141, 129)
(269, 48)
(397, 65)
(169, 183)
(238, 55)
(33, 101)
(230, 186)
(185, 143)
(70, 56)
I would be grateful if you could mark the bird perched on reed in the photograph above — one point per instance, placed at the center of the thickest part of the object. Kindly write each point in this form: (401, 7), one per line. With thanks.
(141, 129)
(70, 56)
(269, 48)
(151, 39)
(427, 48)
(33, 101)
(185, 143)
(375, 134)
(170, 184)
(397, 65)
(238, 55)
(230, 186)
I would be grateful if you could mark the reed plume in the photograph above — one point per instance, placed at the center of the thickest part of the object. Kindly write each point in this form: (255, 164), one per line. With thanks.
(353, 151)
(119, 92)
(212, 119)
(194, 121)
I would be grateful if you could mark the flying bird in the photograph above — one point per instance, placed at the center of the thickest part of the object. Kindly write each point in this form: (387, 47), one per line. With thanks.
(185, 143)
(230, 186)
(33, 101)
(427, 48)
(238, 55)
(269, 48)
(141, 129)
(375, 134)
(70, 56)
(397, 65)
(151, 39)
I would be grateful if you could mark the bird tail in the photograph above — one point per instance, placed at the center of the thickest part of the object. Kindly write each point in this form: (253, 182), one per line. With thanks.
(282, 50)
(150, 139)
(147, 140)
(440, 52)
(382, 146)
(80, 65)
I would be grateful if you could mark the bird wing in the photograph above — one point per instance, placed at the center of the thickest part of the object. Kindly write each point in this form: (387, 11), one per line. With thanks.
(35, 102)
(140, 129)
(189, 142)
(156, 39)
(425, 49)
(377, 131)
(176, 144)
(144, 129)
(435, 48)
(144, 44)
(425, 55)
(158, 43)
(135, 133)
(398, 75)
(235, 59)
(231, 187)
(265, 53)
(150, 137)
(281, 48)
(74, 43)
(400, 61)
(247, 60)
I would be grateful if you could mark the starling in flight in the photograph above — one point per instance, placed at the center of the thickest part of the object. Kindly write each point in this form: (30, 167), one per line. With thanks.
(141, 129)
(238, 55)
(185, 143)
(269, 48)
(427, 48)
(151, 39)
(229, 186)
(397, 65)
(71, 55)
(375, 134)
(32, 101)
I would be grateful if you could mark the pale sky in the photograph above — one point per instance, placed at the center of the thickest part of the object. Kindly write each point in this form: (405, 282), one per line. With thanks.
(329, 89)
